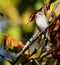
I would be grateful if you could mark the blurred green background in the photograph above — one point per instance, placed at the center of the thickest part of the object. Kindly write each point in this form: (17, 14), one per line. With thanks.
(16, 16)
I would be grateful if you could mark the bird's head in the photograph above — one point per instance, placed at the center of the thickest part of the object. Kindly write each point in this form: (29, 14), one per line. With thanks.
(34, 14)
(38, 14)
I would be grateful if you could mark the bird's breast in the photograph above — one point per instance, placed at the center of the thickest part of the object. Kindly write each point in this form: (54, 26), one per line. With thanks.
(41, 22)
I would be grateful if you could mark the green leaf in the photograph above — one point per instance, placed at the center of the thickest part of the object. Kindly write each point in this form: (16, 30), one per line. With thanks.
(14, 31)
(38, 4)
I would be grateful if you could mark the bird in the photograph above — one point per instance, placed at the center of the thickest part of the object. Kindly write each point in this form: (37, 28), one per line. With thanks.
(41, 20)
(42, 23)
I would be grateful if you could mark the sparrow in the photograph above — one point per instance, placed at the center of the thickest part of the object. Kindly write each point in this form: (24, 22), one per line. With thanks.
(41, 20)
(41, 23)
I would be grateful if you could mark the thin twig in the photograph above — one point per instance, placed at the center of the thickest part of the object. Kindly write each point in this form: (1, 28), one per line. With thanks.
(36, 62)
(45, 54)
(55, 6)
(44, 7)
